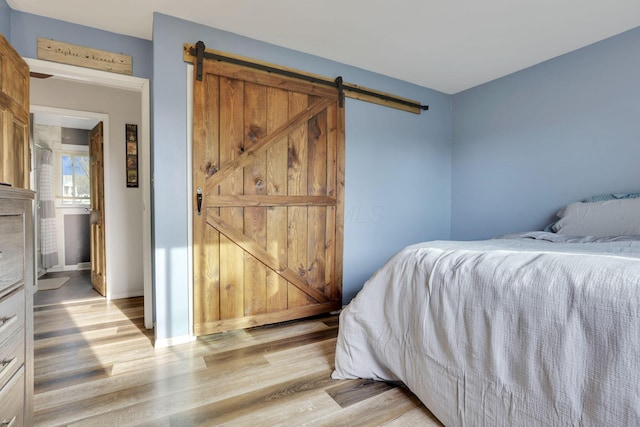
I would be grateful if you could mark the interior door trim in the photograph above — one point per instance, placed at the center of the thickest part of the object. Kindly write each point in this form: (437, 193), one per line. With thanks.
(142, 86)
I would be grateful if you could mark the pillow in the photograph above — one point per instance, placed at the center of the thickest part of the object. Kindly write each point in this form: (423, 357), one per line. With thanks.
(599, 198)
(616, 217)
(612, 196)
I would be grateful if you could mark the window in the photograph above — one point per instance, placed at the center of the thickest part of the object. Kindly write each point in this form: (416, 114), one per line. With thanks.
(76, 182)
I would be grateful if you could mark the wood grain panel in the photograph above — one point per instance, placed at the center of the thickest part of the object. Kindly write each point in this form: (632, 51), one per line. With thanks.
(206, 240)
(255, 218)
(339, 209)
(20, 148)
(14, 117)
(295, 122)
(331, 211)
(271, 317)
(376, 410)
(211, 249)
(231, 147)
(270, 80)
(242, 241)
(277, 114)
(276, 345)
(265, 201)
(297, 185)
(253, 408)
(270, 200)
(317, 186)
(358, 390)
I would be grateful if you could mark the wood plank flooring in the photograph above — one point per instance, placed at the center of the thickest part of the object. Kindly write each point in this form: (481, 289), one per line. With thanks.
(95, 365)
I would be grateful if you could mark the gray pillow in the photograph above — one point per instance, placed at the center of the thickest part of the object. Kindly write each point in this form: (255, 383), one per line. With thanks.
(619, 217)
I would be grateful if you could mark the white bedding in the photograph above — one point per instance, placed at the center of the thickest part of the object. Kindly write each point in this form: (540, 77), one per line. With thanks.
(533, 330)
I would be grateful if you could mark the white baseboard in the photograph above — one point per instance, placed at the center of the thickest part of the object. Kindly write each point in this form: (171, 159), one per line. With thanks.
(131, 294)
(168, 342)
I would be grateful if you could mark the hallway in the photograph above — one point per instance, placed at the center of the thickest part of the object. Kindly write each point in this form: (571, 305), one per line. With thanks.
(77, 288)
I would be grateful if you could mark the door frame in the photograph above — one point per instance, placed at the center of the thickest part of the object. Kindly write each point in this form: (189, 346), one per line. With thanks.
(189, 81)
(141, 86)
(41, 109)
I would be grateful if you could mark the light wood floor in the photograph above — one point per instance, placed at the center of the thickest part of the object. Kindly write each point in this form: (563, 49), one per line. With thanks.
(95, 365)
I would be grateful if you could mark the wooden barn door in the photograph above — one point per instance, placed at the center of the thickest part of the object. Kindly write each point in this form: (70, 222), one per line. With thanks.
(268, 164)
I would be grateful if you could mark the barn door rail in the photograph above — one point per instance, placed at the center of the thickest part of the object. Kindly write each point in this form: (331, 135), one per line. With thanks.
(199, 53)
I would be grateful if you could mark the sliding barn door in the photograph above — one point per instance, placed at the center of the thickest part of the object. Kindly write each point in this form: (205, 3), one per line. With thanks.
(268, 168)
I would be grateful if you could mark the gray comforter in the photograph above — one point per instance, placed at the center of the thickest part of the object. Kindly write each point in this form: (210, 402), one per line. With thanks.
(529, 329)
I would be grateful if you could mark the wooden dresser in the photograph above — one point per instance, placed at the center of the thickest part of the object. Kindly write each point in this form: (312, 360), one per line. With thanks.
(16, 307)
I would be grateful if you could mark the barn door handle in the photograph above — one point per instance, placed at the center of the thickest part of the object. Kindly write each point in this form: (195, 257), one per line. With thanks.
(199, 200)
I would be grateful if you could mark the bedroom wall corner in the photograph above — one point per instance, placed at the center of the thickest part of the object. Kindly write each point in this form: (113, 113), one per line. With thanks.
(527, 144)
(398, 186)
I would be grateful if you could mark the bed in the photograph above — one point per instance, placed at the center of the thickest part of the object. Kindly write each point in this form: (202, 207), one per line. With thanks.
(537, 328)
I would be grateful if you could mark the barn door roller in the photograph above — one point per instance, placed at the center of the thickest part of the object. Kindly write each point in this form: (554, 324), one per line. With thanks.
(340, 91)
(353, 91)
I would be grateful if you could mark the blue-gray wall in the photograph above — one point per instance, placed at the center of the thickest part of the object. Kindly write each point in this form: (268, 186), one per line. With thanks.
(398, 173)
(529, 143)
(497, 158)
(26, 28)
(5, 20)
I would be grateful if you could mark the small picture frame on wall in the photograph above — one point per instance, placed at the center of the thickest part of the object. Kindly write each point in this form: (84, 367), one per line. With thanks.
(132, 155)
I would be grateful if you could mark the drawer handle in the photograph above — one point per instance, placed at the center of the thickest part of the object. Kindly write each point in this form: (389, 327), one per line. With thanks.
(5, 364)
(9, 423)
(6, 321)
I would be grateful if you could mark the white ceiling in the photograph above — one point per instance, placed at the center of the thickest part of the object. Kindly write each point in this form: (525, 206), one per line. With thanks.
(447, 45)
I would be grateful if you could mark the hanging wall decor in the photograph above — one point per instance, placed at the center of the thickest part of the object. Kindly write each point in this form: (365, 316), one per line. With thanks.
(82, 56)
(132, 155)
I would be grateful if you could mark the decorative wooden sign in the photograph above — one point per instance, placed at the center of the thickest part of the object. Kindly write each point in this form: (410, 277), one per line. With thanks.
(71, 54)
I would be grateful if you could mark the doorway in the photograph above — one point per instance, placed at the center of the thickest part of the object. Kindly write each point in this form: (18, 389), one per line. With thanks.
(67, 249)
(127, 228)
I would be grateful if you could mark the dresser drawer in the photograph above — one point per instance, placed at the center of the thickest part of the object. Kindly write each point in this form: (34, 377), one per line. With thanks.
(11, 401)
(11, 250)
(12, 312)
(11, 356)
